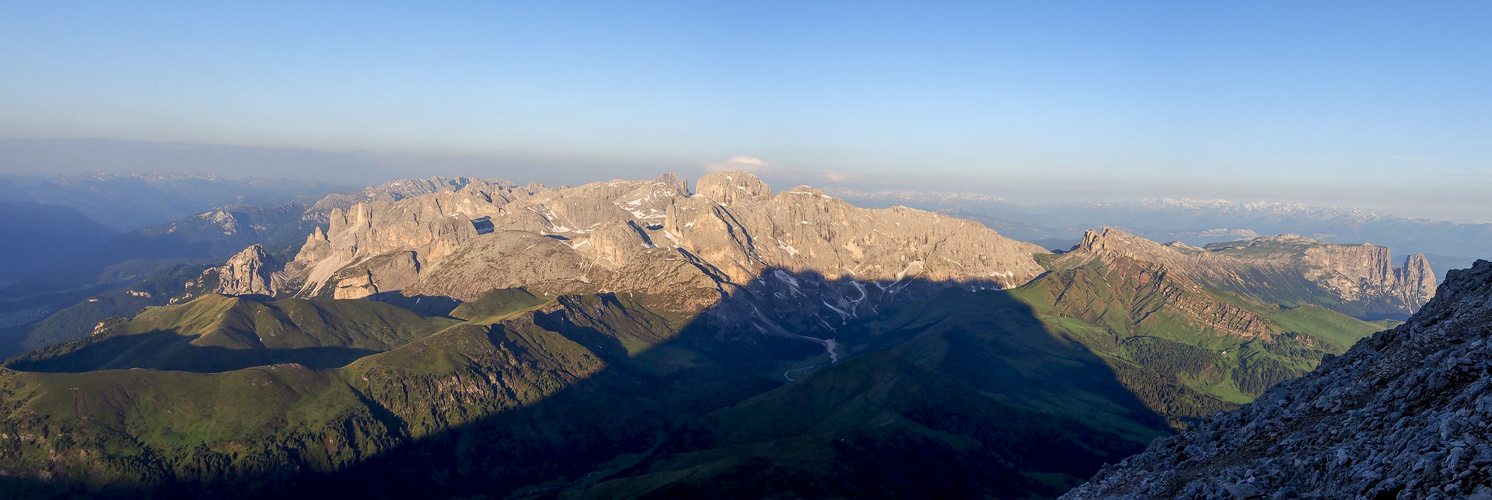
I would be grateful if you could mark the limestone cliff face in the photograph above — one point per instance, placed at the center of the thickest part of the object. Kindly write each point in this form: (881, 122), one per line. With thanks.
(737, 225)
(811, 262)
(377, 235)
(1403, 414)
(250, 272)
(558, 239)
(505, 259)
(1414, 282)
(1353, 271)
(1357, 280)
(798, 253)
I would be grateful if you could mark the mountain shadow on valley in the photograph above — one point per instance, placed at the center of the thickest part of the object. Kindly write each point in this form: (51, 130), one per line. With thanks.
(945, 390)
(170, 350)
(218, 334)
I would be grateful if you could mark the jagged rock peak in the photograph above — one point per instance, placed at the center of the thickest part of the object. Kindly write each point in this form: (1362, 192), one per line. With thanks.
(250, 272)
(1415, 279)
(673, 181)
(733, 186)
(1108, 239)
(1403, 414)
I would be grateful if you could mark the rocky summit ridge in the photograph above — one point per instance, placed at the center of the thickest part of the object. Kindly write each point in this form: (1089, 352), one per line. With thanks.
(1403, 414)
(796, 254)
(1357, 280)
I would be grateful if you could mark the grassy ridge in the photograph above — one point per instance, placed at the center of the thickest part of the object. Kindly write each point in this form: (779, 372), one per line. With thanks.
(217, 333)
(1157, 329)
(236, 431)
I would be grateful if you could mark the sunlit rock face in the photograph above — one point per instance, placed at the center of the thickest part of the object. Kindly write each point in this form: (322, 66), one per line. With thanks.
(804, 250)
(1357, 280)
(736, 223)
(250, 272)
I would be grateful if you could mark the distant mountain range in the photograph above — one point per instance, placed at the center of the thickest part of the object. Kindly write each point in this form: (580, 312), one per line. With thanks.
(457, 337)
(126, 202)
(101, 237)
(38, 235)
(1446, 245)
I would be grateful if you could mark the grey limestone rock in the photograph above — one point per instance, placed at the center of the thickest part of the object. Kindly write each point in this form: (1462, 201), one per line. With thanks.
(1406, 413)
(743, 230)
(250, 272)
(1357, 280)
(797, 253)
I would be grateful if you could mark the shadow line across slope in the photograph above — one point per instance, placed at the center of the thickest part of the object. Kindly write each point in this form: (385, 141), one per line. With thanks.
(602, 388)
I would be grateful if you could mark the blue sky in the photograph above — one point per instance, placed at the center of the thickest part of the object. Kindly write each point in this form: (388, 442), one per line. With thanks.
(1380, 106)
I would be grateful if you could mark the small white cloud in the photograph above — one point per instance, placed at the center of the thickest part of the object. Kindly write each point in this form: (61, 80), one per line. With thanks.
(748, 160)
(747, 163)
(792, 174)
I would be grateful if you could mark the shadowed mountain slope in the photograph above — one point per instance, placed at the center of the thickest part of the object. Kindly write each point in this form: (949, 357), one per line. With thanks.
(37, 235)
(523, 396)
(873, 416)
(1400, 415)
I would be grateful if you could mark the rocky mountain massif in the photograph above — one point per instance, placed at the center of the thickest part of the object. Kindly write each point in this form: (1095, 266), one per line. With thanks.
(1445, 244)
(1356, 280)
(734, 236)
(1404, 414)
(103, 274)
(630, 338)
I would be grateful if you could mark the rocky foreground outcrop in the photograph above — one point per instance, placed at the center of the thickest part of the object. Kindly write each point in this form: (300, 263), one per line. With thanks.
(1357, 280)
(1406, 413)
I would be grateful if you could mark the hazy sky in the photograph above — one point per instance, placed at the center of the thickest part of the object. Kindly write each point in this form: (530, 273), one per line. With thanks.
(1381, 106)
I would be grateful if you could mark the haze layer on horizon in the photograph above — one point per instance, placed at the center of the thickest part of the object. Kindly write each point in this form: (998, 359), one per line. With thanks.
(1377, 107)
